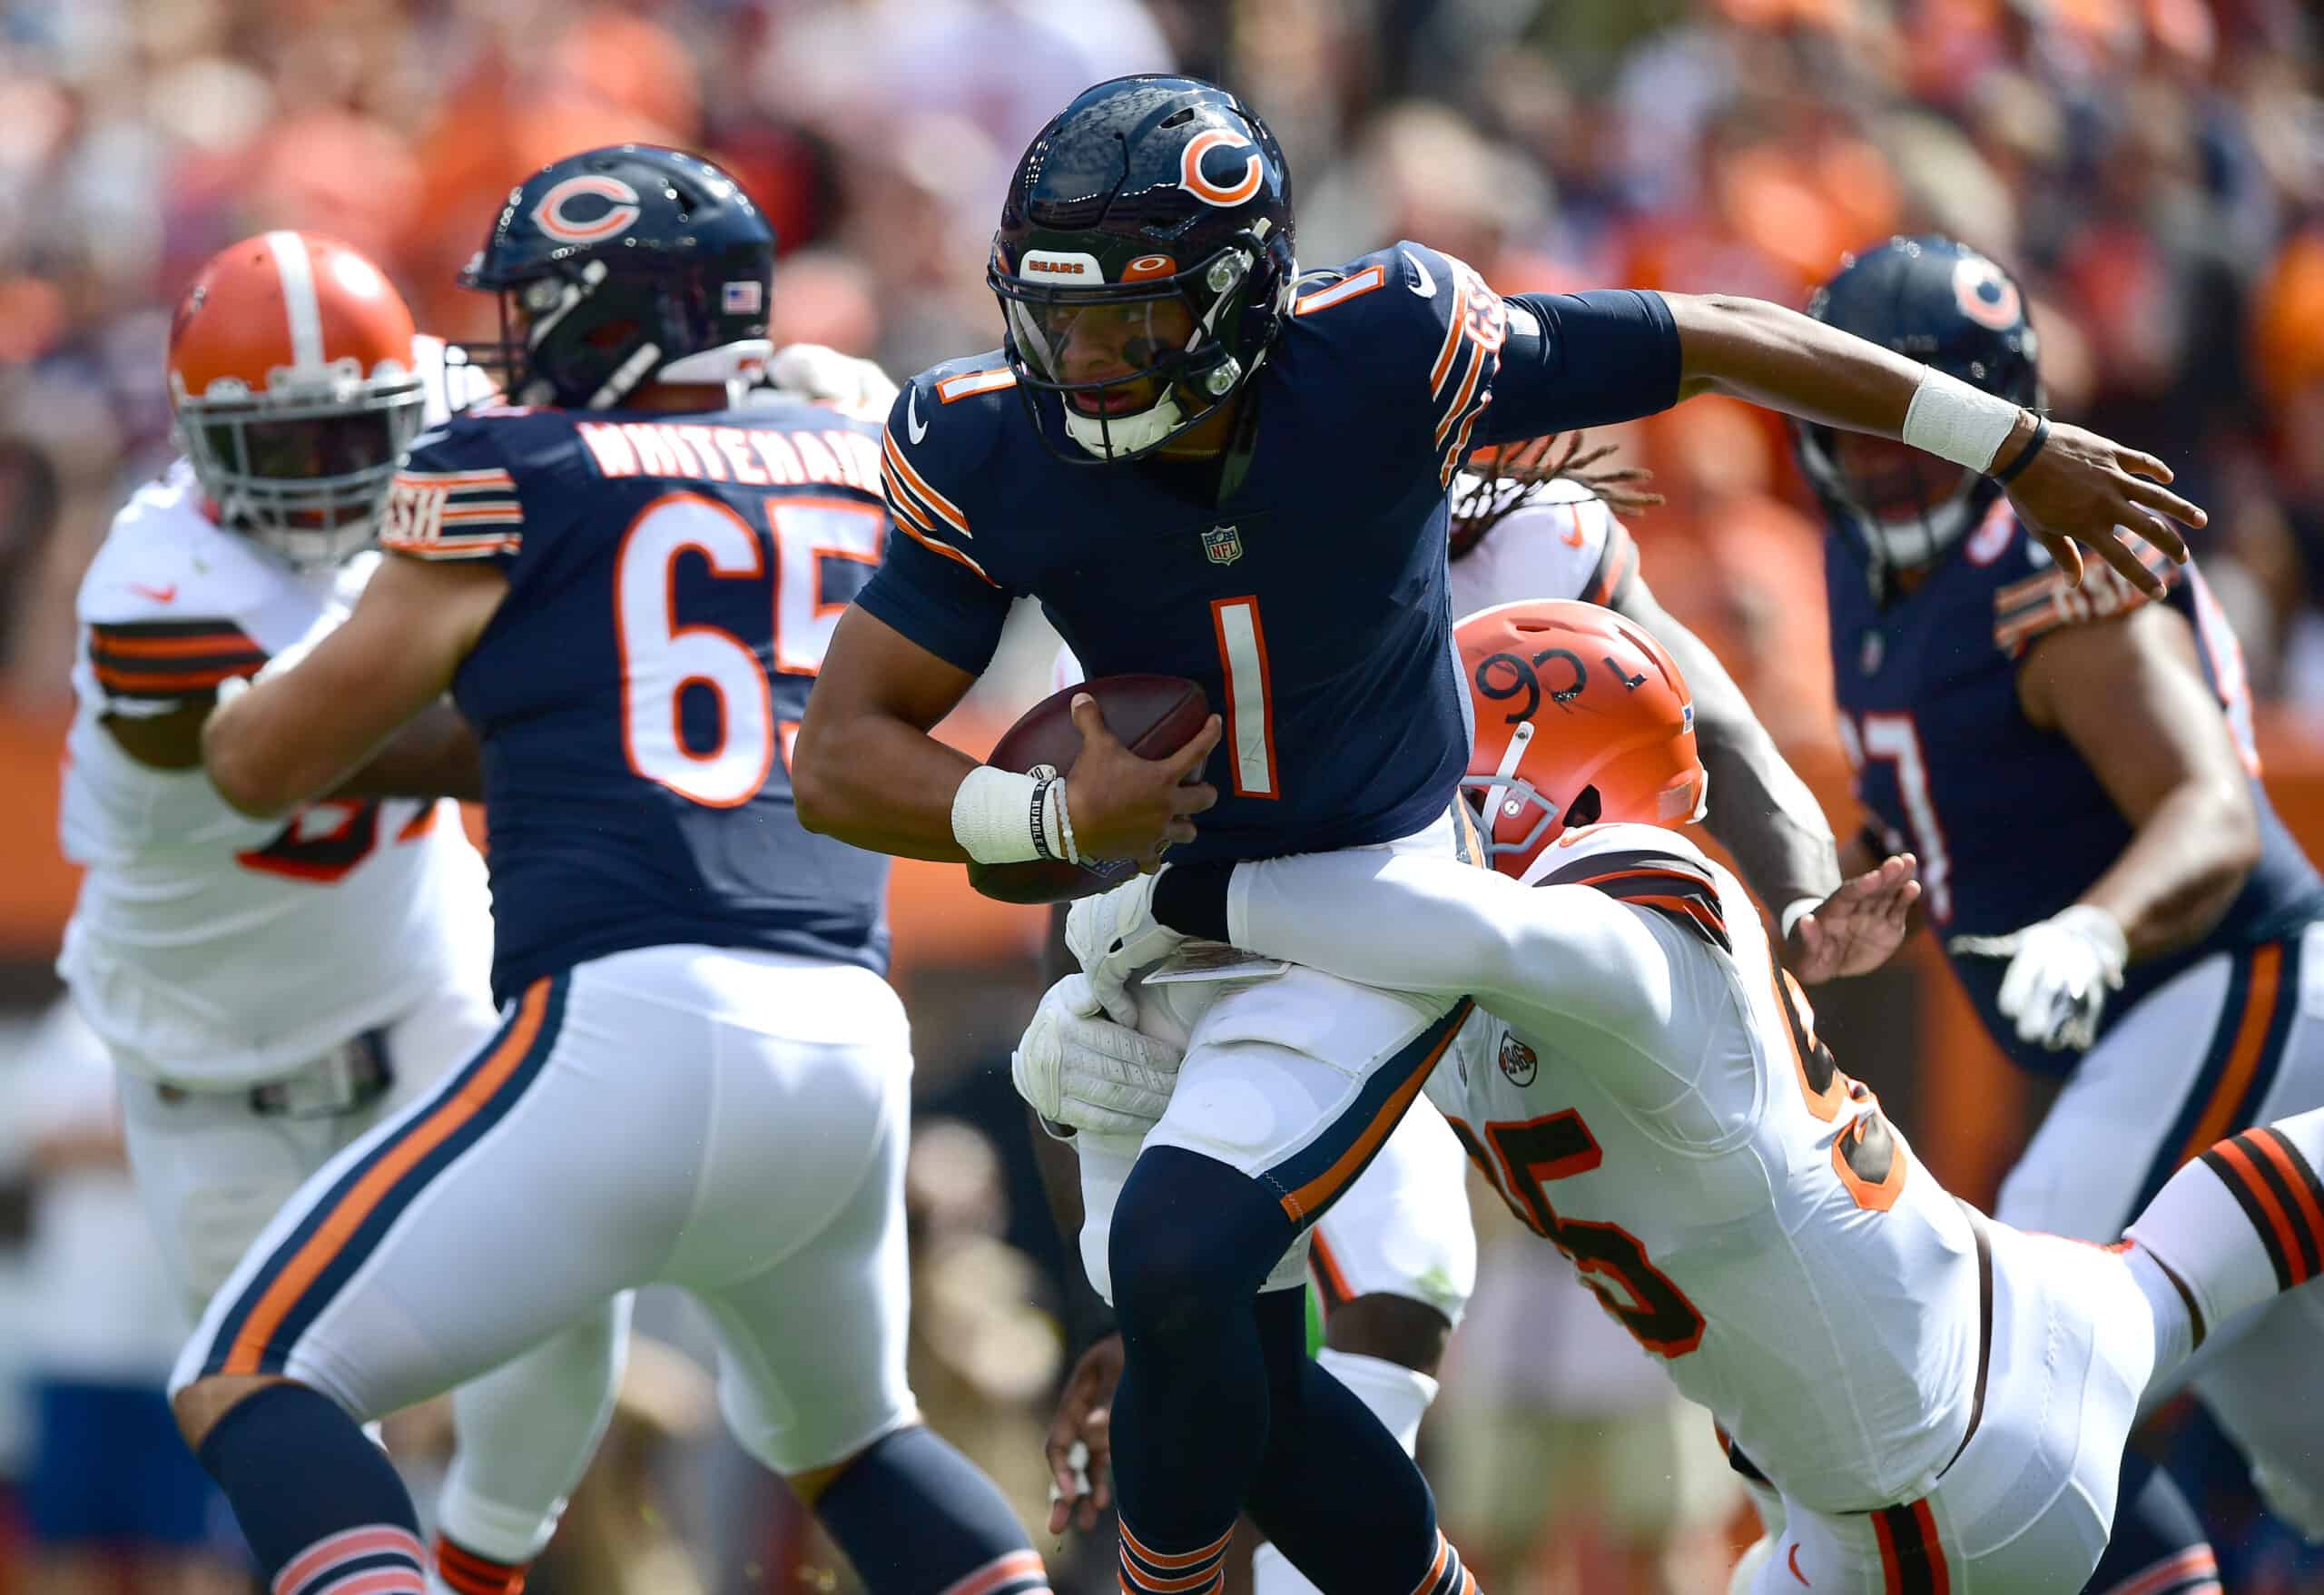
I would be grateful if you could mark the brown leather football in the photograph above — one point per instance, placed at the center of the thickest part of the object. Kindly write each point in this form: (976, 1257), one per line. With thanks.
(1153, 715)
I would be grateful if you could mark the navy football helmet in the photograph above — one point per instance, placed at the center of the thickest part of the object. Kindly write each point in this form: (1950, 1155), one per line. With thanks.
(1144, 263)
(1943, 303)
(620, 266)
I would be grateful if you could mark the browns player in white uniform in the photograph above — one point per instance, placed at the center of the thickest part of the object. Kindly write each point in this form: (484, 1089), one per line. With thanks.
(272, 990)
(1940, 1401)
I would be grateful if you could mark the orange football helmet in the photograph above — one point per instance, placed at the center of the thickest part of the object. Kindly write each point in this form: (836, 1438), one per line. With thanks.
(296, 392)
(1580, 717)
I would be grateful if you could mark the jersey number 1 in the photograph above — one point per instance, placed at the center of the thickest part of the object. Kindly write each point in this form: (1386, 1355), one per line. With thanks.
(1250, 703)
(660, 658)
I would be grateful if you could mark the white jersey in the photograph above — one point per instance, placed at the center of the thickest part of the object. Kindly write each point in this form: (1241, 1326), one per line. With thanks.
(1648, 1093)
(207, 947)
(1563, 542)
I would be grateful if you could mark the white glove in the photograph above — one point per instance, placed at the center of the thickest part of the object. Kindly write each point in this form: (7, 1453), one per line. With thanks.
(2060, 971)
(1080, 1069)
(1114, 936)
(813, 371)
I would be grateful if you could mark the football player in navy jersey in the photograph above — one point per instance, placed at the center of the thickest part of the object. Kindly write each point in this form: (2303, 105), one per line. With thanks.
(2074, 765)
(627, 584)
(1207, 463)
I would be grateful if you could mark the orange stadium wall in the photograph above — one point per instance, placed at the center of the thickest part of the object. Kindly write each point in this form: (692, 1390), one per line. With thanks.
(1906, 1031)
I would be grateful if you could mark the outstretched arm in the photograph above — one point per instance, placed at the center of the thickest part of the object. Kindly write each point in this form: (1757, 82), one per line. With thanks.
(2080, 487)
(1531, 954)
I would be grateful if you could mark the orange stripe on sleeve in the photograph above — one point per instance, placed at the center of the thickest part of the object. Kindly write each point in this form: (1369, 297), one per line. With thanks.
(943, 506)
(176, 680)
(128, 645)
(900, 501)
(946, 549)
(423, 1136)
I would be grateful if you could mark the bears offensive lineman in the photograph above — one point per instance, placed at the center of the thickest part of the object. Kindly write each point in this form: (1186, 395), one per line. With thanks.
(1394, 1262)
(271, 988)
(1207, 466)
(2074, 768)
(699, 1076)
(1940, 1400)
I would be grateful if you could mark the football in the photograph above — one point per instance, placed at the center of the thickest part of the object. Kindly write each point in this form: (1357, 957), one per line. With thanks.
(1152, 716)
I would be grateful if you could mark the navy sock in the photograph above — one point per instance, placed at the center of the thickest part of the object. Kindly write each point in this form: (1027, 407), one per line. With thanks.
(320, 1505)
(1335, 1491)
(1191, 1243)
(1191, 899)
(916, 1517)
(2158, 1547)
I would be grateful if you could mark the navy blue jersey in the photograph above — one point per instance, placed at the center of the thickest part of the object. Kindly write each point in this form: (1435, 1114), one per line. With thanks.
(2010, 822)
(672, 582)
(1310, 600)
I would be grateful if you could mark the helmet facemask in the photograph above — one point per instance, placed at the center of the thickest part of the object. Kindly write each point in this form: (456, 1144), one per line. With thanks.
(579, 336)
(303, 468)
(1903, 517)
(1504, 797)
(1171, 333)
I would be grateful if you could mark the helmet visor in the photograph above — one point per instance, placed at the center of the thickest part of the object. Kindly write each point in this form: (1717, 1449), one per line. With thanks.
(312, 449)
(306, 476)
(1110, 351)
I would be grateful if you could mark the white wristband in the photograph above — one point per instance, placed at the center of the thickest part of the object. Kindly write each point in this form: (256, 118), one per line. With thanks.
(1954, 421)
(992, 816)
(1798, 910)
(1065, 846)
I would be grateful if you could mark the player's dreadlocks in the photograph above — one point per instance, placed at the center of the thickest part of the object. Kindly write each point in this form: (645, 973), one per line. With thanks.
(1518, 471)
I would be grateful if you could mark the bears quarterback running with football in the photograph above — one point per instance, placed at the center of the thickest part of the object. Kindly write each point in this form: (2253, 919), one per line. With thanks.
(2074, 768)
(1935, 1401)
(626, 582)
(271, 988)
(1207, 464)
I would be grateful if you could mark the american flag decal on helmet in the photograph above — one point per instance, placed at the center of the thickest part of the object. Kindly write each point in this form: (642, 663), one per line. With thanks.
(741, 299)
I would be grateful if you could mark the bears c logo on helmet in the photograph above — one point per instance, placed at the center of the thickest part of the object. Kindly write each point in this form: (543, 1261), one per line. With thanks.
(1239, 187)
(555, 214)
(1985, 294)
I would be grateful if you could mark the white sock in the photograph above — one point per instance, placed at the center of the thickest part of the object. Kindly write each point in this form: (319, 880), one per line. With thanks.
(2243, 1221)
(1399, 1397)
(2174, 1326)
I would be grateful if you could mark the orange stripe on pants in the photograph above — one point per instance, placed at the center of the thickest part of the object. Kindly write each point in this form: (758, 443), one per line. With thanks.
(420, 1139)
(1319, 1191)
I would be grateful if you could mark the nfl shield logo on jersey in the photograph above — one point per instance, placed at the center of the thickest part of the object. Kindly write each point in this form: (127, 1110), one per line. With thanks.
(1518, 1061)
(1223, 544)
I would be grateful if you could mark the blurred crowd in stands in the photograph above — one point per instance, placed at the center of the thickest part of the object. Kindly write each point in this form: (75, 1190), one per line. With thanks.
(2153, 170)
